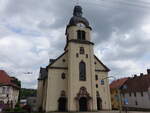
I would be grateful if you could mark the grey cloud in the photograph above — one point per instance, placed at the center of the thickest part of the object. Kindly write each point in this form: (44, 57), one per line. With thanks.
(49, 18)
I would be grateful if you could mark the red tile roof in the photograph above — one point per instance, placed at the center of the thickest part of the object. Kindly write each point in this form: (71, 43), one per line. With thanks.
(5, 79)
(118, 83)
(138, 83)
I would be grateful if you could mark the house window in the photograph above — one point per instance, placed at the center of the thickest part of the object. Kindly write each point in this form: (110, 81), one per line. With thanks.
(82, 71)
(96, 85)
(81, 50)
(96, 77)
(63, 76)
(81, 35)
(123, 94)
(136, 103)
(130, 94)
(142, 93)
(3, 90)
(135, 94)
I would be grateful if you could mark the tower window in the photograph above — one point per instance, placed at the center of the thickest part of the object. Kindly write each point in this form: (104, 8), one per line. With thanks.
(82, 71)
(81, 50)
(86, 55)
(63, 76)
(96, 77)
(96, 85)
(80, 35)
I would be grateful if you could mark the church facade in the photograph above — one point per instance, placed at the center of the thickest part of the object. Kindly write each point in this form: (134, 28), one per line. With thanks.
(76, 80)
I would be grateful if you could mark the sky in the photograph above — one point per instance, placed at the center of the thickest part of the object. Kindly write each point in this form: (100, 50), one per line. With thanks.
(33, 31)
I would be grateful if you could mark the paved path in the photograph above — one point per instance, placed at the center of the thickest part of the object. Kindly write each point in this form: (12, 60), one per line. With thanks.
(105, 112)
(122, 112)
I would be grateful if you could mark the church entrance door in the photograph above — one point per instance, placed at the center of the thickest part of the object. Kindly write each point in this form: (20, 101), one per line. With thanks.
(99, 103)
(83, 104)
(62, 103)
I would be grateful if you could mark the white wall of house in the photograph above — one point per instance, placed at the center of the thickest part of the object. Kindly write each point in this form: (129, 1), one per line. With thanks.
(138, 101)
(9, 93)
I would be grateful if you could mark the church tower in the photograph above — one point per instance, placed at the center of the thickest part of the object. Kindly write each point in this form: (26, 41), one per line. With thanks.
(80, 63)
(76, 80)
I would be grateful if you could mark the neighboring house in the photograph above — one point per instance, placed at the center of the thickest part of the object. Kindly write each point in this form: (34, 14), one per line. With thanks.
(115, 92)
(9, 89)
(136, 92)
(76, 80)
(31, 101)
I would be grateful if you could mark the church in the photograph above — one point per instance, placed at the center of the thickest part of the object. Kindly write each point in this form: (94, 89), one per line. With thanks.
(77, 79)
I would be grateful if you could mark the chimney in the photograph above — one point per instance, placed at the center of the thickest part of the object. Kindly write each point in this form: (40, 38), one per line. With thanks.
(148, 71)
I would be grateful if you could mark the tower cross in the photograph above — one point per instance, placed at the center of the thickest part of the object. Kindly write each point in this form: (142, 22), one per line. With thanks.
(76, 2)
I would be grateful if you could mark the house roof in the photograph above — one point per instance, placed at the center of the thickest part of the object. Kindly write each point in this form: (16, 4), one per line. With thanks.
(43, 73)
(118, 83)
(4, 77)
(54, 60)
(138, 83)
(6, 80)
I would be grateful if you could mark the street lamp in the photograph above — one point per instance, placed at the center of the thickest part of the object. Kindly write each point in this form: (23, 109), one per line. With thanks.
(118, 92)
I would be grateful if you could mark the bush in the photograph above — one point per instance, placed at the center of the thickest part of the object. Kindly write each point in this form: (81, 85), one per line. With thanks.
(19, 109)
(15, 110)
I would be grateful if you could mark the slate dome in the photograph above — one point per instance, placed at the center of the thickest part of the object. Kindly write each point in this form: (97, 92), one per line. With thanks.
(77, 17)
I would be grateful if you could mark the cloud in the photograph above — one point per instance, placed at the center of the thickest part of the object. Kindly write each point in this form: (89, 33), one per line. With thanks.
(32, 31)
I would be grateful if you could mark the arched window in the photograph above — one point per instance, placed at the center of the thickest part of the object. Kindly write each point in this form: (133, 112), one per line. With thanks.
(82, 71)
(97, 94)
(96, 77)
(62, 102)
(96, 85)
(63, 76)
(81, 50)
(80, 35)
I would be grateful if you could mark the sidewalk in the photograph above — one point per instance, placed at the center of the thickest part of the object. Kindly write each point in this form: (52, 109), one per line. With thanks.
(122, 112)
(105, 112)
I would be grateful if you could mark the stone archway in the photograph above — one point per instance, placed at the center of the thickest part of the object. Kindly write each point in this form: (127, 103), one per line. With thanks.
(99, 101)
(83, 100)
(62, 102)
(83, 106)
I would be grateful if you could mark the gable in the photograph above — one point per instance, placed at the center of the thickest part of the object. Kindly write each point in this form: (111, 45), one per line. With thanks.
(99, 65)
(60, 62)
